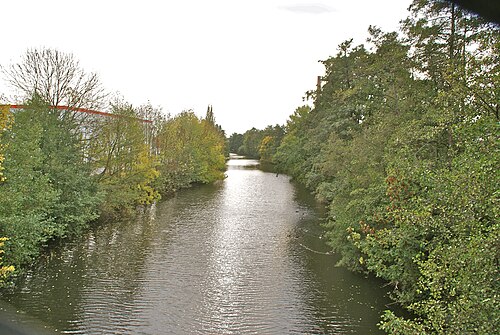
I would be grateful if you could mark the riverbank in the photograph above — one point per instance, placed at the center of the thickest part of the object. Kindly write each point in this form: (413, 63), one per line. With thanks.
(400, 140)
(57, 179)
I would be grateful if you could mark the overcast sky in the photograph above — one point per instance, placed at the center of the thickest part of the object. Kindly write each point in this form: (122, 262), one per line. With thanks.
(253, 60)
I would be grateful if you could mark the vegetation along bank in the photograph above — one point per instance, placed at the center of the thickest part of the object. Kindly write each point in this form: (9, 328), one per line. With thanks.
(402, 146)
(63, 168)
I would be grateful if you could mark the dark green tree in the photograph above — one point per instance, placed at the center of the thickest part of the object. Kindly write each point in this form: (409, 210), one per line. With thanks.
(235, 143)
(49, 192)
(251, 143)
(401, 144)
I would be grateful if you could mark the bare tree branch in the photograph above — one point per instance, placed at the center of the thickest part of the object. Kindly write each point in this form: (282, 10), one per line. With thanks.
(57, 78)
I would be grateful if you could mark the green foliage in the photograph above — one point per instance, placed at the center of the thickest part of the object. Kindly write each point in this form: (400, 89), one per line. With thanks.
(235, 142)
(191, 151)
(121, 155)
(58, 178)
(5, 270)
(270, 142)
(27, 194)
(292, 155)
(212, 153)
(255, 143)
(48, 193)
(62, 169)
(251, 143)
(5, 124)
(455, 224)
(402, 145)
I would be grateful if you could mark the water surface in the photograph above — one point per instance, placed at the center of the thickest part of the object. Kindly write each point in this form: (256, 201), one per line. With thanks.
(232, 258)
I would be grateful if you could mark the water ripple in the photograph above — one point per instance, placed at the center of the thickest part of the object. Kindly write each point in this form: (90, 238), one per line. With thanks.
(219, 259)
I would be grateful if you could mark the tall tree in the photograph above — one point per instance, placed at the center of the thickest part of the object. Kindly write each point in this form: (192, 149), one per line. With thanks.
(235, 143)
(5, 270)
(210, 117)
(270, 142)
(123, 160)
(48, 193)
(5, 124)
(401, 145)
(192, 150)
(55, 77)
(251, 142)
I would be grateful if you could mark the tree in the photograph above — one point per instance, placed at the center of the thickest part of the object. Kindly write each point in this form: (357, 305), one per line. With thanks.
(55, 77)
(401, 145)
(5, 124)
(48, 192)
(292, 155)
(192, 151)
(27, 194)
(209, 117)
(270, 143)
(209, 120)
(5, 270)
(251, 142)
(65, 165)
(123, 160)
(449, 214)
(441, 220)
(153, 129)
(235, 143)
(214, 149)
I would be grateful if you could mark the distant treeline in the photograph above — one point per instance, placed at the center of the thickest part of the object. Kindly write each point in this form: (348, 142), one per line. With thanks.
(60, 170)
(255, 143)
(402, 145)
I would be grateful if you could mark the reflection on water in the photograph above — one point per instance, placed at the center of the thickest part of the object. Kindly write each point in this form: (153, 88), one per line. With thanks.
(218, 259)
(242, 164)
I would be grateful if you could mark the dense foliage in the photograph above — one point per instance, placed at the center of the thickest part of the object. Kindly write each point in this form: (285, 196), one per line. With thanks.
(402, 145)
(5, 119)
(191, 150)
(255, 143)
(61, 168)
(5, 270)
(47, 193)
(122, 160)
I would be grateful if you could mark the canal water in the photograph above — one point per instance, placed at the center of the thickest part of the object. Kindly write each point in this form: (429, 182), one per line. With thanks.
(244, 256)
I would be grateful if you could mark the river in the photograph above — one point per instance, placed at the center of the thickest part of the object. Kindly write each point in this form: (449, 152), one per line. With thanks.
(243, 256)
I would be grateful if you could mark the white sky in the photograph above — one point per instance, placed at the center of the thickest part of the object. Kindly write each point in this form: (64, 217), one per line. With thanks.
(253, 60)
